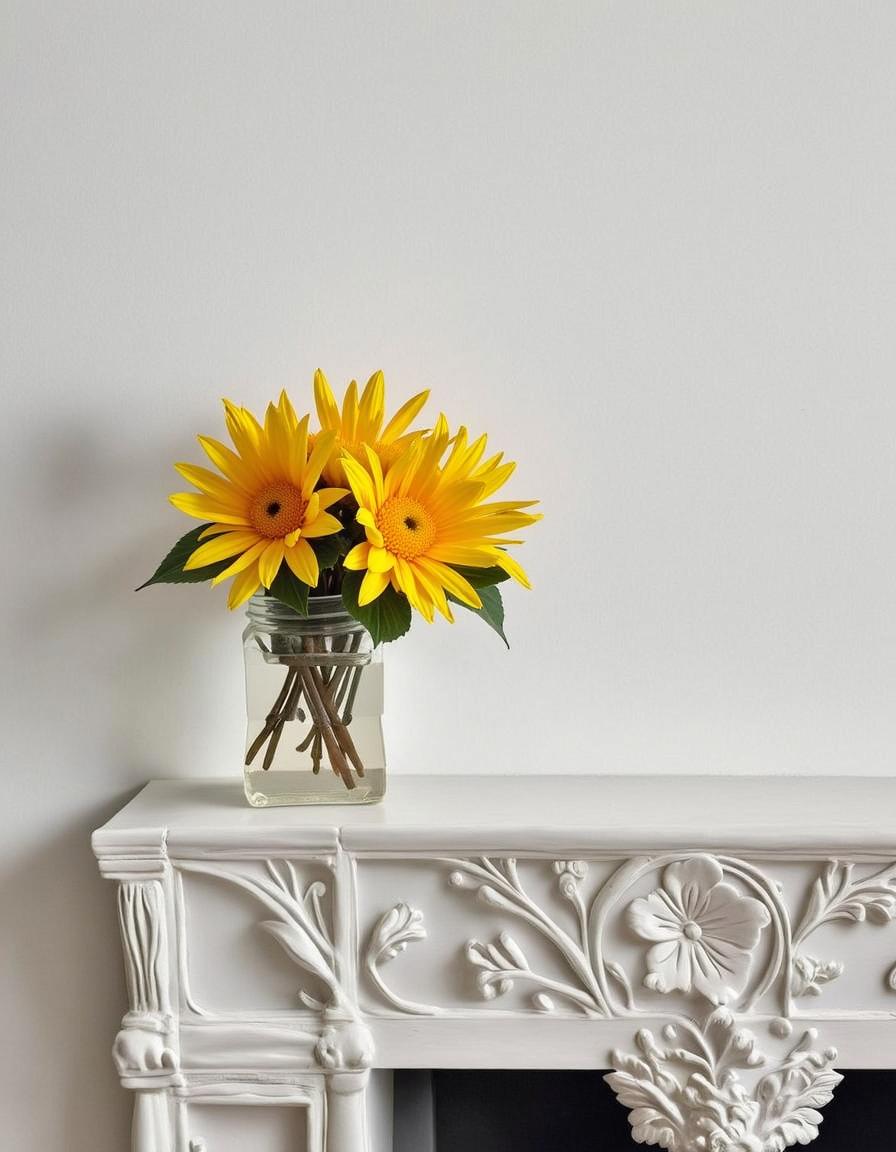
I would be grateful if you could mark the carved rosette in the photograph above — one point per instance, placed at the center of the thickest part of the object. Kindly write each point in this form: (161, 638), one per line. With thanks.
(703, 931)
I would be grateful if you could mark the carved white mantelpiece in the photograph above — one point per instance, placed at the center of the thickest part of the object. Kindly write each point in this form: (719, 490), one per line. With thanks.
(720, 943)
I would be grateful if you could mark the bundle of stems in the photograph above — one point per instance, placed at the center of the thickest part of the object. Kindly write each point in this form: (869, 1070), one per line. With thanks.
(327, 680)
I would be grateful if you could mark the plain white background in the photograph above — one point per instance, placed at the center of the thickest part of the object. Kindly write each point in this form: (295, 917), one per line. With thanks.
(648, 246)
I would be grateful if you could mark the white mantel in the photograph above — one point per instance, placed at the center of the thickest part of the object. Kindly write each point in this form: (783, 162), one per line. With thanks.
(660, 926)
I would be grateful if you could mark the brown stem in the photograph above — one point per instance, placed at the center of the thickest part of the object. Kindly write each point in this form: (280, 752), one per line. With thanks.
(273, 716)
(313, 688)
(288, 713)
(342, 733)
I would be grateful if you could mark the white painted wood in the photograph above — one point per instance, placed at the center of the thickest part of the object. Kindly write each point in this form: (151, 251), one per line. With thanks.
(784, 814)
(721, 946)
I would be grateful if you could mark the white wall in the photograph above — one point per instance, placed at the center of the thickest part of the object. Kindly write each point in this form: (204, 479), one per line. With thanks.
(649, 247)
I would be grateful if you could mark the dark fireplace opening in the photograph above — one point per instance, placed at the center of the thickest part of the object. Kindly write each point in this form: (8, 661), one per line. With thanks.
(575, 1111)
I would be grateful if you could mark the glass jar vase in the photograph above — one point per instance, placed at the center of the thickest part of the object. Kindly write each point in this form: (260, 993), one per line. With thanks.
(314, 700)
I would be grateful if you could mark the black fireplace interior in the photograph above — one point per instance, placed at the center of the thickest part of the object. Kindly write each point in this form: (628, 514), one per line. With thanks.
(575, 1111)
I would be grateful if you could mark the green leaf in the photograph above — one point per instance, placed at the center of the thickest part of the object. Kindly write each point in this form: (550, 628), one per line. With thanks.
(480, 577)
(492, 610)
(290, 590)
(329, 549)
(386, 618)
(171, 570)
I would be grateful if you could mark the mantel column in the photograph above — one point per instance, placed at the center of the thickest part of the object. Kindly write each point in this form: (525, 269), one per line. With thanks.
(145, 1050)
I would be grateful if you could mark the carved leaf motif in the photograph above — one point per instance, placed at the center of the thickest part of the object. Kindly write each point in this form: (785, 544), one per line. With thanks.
(300, 947)
(836, 896)
(394, 931)
(497, 884)
(499, 963)
(689, 1098)
(809, 974)
(653, 1116)
(732, 1047)
(391, 935)
(790, 1099)
(300, 928)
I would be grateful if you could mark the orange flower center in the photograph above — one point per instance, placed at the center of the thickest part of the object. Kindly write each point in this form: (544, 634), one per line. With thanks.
(278, 510)
(408, 528)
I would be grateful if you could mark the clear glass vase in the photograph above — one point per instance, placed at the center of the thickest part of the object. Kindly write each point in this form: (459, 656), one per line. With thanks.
(314, 698)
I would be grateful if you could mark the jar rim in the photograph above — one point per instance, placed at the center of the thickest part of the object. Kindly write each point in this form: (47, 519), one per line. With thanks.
(265, 610)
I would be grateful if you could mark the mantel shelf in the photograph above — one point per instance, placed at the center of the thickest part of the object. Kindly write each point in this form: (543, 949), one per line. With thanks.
(784, 814)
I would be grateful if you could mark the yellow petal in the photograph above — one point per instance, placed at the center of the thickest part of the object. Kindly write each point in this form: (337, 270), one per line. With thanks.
(323, 447)
(373, 585)
(435, 591)
(227, 461)
(290, 418)
(371, 408)
(414, 592)
(403, 466)
(213, 530)
(512, 568)
(213, 485)
(350, 413)
(494, 478)
(269, 562)
(312, 508)
(404, 416)
(303, 563)
(245, 584)
(298, 452)
(376, 474)
(380, 560)
(356, 560)
(247, 559)
(360, 481)
(373, 533)
(460, 588)
(244, 429)
(330, 496)
(323, 525)
(219, 548)
(277, 436)
(325, 402)
(473, 555)
(205, 508)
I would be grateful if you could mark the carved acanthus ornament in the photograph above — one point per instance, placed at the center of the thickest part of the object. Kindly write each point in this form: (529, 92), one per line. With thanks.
(691, 1096)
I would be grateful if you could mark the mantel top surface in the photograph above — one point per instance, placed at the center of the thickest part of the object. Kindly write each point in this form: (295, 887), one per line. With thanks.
(420, 812)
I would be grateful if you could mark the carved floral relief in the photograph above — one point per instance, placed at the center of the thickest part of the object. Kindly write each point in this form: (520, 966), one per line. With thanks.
(703, 931)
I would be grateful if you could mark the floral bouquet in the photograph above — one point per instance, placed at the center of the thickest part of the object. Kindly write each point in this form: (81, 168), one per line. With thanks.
(334, 536)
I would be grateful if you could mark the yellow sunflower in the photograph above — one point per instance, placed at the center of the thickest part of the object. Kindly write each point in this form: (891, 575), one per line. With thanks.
(422, 517)
(361, 421)
(263, 507)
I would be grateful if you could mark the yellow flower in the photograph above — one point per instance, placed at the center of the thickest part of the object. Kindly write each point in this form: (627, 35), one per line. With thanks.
(422, 517)
(361, 420)
(264, 508)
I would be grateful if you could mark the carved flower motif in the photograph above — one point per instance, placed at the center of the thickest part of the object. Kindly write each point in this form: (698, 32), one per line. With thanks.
(704, 931)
